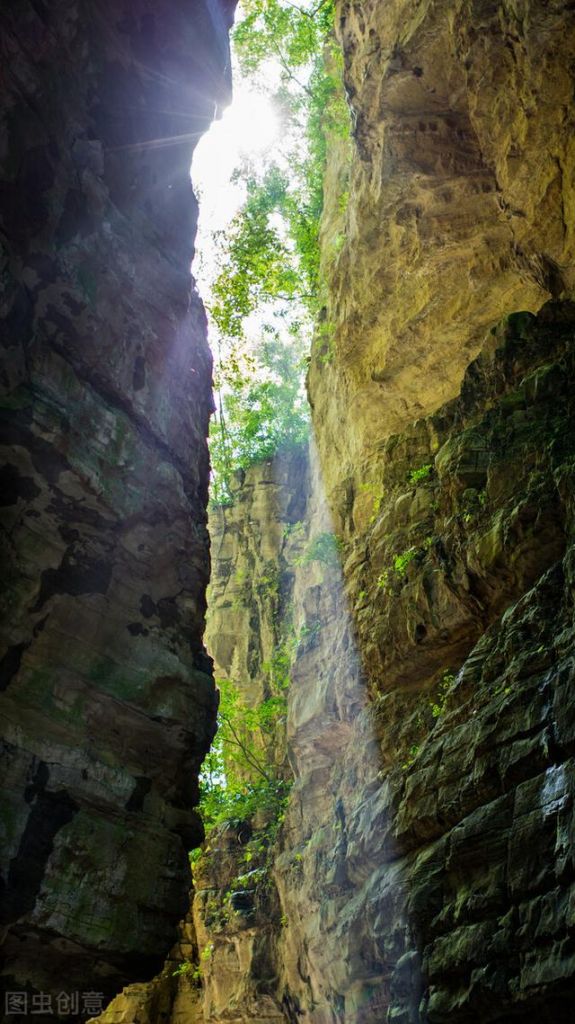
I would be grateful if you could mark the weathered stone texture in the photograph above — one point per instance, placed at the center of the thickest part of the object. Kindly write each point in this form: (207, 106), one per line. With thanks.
(427, 872)
(461, 204)
(424, 873)
(251, 600)
(226, 965)
(108, 704)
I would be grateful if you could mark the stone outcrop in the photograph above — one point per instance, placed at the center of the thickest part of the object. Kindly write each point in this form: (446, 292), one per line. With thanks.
(460, 209)
(421, 562)
(424, 871)
(251, 634)
(108, 703)
(427, 871)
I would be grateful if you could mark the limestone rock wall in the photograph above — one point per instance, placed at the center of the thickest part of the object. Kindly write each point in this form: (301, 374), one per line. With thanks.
(256, 546)
(225, 965)
(432, 754)
(460, 209)
(108, 702)
(426, 873)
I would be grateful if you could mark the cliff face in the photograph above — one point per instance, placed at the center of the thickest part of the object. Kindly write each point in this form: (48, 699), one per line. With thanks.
(460, 210)
(431, 879)
(424, 872)
(226, 965)
(425, 869)
(251, 626)
(108, 704)
(427, 873)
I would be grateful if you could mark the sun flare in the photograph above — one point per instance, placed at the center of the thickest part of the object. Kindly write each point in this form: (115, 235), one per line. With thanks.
(250, 124)
(248, 128)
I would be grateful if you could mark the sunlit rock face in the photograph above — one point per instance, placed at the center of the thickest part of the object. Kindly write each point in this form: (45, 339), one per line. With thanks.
(253, 611)
(445, 887)
(458, 208)
(107, 702)
(426, 873)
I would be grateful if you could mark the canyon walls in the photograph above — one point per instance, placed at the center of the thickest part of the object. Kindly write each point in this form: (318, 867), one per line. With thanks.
(427, 871)
(457, 209)
(424, 870)
(108, 702)
(414, 572)
(225, 965)
(425, 874)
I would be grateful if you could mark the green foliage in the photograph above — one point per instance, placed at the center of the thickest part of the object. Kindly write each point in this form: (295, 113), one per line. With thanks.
(325, 342)
(267, 585)
(383, 580)
(256, 261)
(268, 263)
(415, 475)
(400, 562)
(188, 968)
(240, 775)
(294, 530)
(262, 408)
(438, 704)
(413, 752)
(377, 493)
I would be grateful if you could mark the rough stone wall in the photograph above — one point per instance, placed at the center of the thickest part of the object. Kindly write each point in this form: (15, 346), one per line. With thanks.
(225, 966)
(461, 205)
(427, 872)
(424, 873)
(107, 703)
(252, 603)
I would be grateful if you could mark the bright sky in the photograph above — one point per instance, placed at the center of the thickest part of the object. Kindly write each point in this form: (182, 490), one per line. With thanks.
(249, 127)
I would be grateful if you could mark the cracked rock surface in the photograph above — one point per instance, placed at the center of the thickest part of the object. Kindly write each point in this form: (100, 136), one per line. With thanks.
(107, 702)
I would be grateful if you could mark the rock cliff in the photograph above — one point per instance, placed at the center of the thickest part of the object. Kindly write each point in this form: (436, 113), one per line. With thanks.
(427, 871)
(424, 871)
(458, 204)
(225, 966)
(420, 560)
(108, 703)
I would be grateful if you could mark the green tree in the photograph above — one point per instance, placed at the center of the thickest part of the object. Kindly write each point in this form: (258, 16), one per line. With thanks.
(242, 773)
(268, 258)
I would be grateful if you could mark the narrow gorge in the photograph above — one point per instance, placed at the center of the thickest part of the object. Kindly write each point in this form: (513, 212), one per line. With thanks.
(386, 639)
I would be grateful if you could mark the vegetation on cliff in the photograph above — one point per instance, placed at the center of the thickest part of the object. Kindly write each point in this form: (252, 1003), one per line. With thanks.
(243, 773)
(266, 294)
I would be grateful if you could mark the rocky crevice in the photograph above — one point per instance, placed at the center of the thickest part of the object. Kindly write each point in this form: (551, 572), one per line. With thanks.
(420, 555)
(424, 871)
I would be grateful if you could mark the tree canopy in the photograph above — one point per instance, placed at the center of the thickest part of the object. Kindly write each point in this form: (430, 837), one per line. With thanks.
(268, 278)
